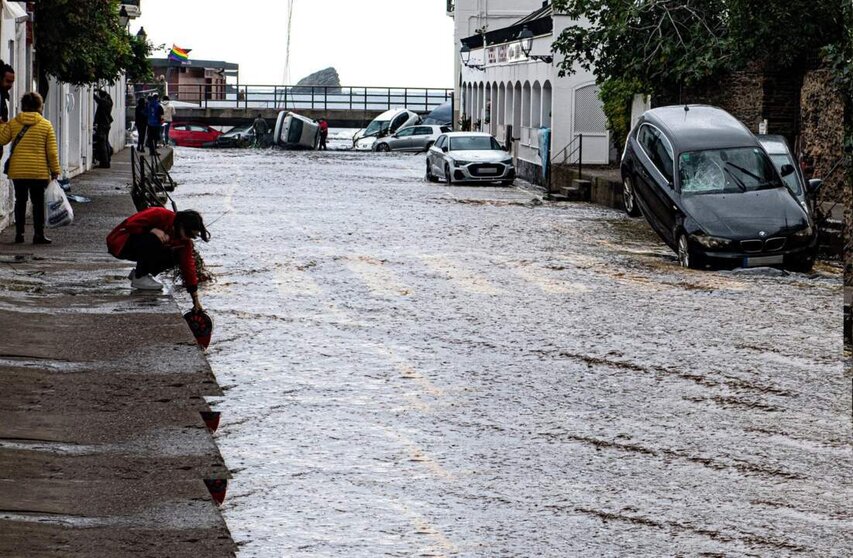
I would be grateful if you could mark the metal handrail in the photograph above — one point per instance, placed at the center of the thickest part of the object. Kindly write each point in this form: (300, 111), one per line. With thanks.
(568, 154)
(286, 97)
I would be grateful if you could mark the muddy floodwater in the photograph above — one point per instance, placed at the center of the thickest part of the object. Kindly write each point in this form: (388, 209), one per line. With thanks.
(414, 369)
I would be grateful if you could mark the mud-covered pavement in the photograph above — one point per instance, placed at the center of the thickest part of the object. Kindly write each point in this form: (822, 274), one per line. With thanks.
(418, 370)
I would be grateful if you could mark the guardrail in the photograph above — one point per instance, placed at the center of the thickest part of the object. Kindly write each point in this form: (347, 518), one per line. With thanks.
(290, 97)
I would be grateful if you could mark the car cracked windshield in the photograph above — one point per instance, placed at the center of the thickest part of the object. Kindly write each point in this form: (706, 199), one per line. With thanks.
(726, 171)
(477, 143)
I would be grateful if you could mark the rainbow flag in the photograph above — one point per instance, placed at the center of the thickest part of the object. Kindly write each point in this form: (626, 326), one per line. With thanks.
(179, 54)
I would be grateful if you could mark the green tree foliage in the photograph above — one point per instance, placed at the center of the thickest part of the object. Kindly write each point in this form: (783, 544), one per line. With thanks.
(617, 95)
(659, 44)
(782, 34)
(82, 42)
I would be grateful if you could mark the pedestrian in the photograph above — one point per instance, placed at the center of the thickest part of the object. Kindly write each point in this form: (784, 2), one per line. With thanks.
(141, 116)
(261, 129)
(324, 134)
(7, 80)
(33, 163)
(168, 117)
(154, 112)
(158, 239)
(103, 151)
(162, 86)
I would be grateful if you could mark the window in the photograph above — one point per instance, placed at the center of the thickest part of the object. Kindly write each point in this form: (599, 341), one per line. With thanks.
(726, 171)
(423, 131)
(405, 132)
(657, 147)
(399, 121)
(440, 141)
(475, 143)
(445, 129)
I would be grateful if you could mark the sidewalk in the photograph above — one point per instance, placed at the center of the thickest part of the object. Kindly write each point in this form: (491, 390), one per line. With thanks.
(103, 451)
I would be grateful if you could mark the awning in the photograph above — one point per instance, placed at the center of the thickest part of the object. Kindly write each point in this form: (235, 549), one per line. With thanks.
(14, 10)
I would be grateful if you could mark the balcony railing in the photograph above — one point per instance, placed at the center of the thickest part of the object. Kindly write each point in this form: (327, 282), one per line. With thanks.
(292, 97)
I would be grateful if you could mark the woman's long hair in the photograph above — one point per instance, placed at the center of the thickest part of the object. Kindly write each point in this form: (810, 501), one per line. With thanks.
(191, 221)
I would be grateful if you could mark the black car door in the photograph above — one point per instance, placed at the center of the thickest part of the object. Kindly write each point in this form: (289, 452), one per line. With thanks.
(647, 177)
(662, 199)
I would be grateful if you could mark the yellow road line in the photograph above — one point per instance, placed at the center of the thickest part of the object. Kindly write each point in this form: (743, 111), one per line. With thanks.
(465, 279)
(381, 280)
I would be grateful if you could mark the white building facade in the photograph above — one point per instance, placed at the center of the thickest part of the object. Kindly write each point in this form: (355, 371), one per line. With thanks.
(70, 109)
(518, 96)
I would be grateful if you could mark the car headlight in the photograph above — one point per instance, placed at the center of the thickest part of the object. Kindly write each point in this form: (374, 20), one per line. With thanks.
(507, 162)
(712, 242)
(462, 163)
(804, 234)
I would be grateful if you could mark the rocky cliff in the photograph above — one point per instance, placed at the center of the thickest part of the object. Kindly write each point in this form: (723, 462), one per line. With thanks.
(324, 78)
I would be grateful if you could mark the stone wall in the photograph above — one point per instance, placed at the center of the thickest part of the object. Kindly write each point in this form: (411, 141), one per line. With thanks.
(822, 131)
(740, 94)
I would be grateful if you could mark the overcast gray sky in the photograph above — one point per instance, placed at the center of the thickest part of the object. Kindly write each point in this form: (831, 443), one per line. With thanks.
(370, 42)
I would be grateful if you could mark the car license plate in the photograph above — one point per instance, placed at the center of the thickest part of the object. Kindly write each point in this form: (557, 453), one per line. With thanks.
(488, 170)
(759, 261)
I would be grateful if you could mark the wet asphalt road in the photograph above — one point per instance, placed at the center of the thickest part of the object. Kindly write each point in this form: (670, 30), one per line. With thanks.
(421, 370)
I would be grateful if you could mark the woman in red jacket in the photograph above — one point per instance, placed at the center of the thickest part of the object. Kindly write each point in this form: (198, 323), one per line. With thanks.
(158, 239)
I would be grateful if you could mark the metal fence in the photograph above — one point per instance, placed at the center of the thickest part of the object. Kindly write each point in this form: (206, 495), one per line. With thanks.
(289, 97)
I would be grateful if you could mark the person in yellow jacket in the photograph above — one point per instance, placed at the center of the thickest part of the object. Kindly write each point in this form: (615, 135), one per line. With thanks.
(33, 163)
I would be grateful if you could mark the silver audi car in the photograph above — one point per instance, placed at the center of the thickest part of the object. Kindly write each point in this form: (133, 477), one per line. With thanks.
(469, 157)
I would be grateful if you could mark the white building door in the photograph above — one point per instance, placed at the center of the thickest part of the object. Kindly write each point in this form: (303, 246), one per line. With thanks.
(590, 121)
(74, 109)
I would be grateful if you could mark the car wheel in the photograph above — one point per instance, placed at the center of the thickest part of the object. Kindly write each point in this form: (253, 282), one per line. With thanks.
(447, 175)
(686, 257)
(429, 176)
(629, 198)
(383, 148)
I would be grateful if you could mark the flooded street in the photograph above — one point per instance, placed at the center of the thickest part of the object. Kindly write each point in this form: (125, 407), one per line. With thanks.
(413, 369)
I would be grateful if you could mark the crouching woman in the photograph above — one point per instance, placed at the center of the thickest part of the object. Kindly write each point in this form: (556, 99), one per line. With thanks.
(157, 240)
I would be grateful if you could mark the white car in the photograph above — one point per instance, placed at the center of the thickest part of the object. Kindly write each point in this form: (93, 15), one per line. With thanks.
(385, 124)
(469, 157)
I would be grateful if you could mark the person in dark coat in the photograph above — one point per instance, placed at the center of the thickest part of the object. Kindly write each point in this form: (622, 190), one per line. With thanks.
(261, 129)
(155, 122)
(141, 117)
(7, 80)
(103, 123)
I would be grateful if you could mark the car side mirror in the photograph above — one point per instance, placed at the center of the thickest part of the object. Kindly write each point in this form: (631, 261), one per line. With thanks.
(814, 185)
(787, 170)
(444, 149)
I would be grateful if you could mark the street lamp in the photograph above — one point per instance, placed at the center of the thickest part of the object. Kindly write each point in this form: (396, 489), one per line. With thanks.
(142, 35)
(123, 17)
(526, 38)
(465, 55)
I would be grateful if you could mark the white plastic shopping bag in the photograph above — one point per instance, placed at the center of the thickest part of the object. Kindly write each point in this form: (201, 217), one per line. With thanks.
(57, 209)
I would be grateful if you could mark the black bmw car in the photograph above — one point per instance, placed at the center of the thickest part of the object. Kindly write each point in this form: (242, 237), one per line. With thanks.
(708, 188)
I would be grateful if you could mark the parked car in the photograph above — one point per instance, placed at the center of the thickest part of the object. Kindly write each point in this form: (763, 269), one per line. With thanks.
(239, 136)
(293, 131)
(706, 186)
(469, 157)
(413, 138)
(383, 125)
(781, 155)
(192, 135)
